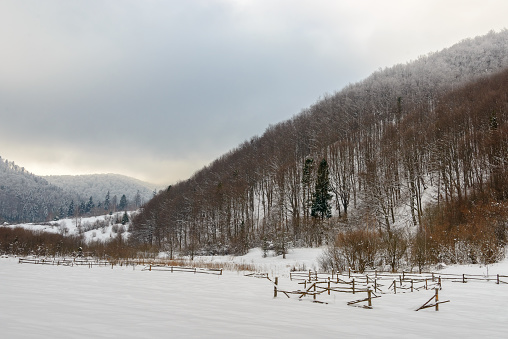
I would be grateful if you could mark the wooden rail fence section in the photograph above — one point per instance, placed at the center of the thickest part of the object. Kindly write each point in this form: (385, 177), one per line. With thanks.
(404, 276)
(65, 262)
(106, 263)
(372, 282)
(435, 297)
(217, 271)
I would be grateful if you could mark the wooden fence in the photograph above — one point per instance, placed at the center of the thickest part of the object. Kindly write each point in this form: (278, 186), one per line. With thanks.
(217, 271)
(105, 263)
(403, 276)
(372, 282)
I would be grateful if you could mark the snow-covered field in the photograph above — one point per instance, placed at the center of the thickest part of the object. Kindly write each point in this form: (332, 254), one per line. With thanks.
(79, 302)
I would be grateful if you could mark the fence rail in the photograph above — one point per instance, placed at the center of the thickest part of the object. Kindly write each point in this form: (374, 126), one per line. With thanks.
(379, 282)
(370, 276)
(217, 271)
(105, 263)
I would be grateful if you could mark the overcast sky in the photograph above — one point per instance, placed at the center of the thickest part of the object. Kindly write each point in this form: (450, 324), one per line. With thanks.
(157, 89)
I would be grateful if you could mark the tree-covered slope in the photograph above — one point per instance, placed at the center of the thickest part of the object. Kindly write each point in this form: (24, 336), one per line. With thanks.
(97, 186)
(432, 130)
(25, 197)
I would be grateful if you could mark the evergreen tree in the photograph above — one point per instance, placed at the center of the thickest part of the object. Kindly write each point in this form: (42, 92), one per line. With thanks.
(125, 218)
(61, 213)
(89, 205)
(123, 202)
(106, 202)
(306, 185)
(321, 206)
(70, 212)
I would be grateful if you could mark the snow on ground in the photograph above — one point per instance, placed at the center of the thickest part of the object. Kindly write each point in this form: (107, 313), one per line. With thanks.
(96, 228)
(299, 259)
(79, 302)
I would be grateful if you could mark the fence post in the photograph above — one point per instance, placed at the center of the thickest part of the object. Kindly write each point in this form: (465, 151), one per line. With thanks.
(328, 286)
(411, 285)
(353, 285)
(437, 299)
(463, 278)
(394, 286)
(369, 295)
(150, 269)
(275, 287)
(314, 291)
(498, 279)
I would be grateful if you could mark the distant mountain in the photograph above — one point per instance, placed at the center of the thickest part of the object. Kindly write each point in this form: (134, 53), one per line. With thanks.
(97, 186)
(25, 197)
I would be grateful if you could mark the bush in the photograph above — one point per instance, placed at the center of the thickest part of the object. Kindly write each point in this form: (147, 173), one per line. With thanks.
(357, 249)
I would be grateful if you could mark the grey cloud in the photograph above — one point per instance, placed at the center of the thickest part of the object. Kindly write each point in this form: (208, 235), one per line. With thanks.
(174, 84)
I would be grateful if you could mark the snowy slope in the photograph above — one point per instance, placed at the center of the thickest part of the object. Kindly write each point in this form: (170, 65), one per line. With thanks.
(98, 228)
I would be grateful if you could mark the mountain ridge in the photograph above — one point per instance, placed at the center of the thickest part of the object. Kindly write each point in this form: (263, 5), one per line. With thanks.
(26, 197)
(385, 138)
(97, 185)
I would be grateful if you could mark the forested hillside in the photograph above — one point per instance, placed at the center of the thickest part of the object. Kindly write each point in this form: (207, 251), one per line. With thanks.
(27, 197)
(388, 157)
(97, 186)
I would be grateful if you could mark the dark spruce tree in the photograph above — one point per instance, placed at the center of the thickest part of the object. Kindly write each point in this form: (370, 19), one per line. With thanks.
(106, 202)
(321, 207)
(89, 205)
(123, 203)
(82, 208)
(70, 212)
(125, 218)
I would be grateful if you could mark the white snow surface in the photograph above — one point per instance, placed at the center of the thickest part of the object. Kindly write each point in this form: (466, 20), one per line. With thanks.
(39, 301)
(102, 231)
